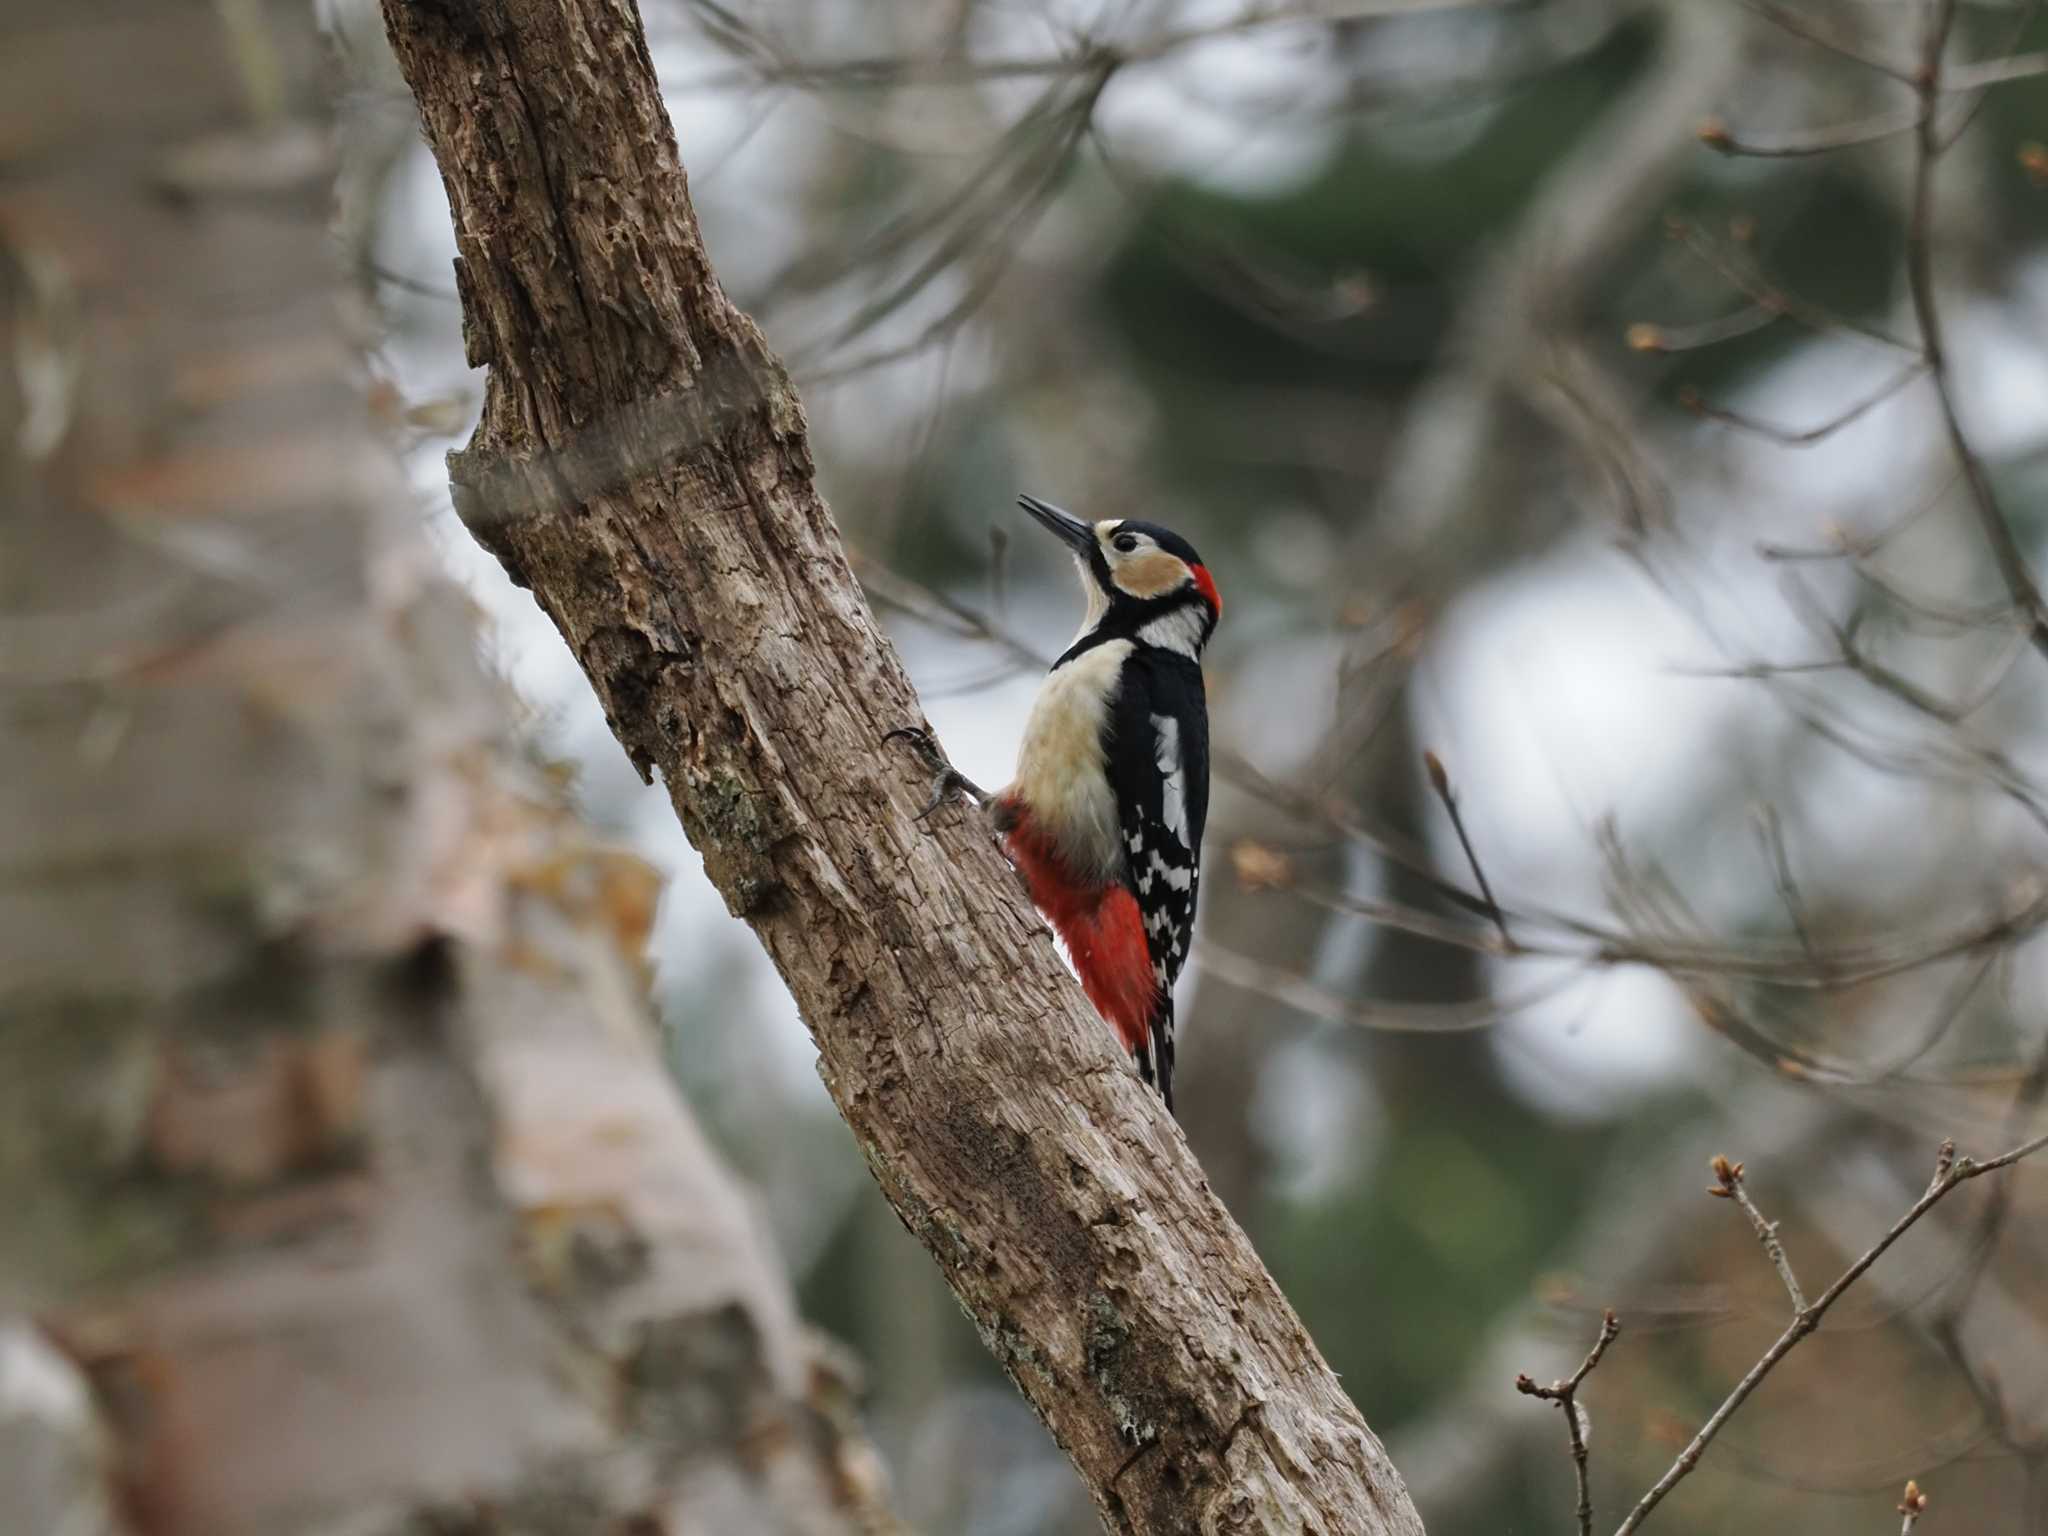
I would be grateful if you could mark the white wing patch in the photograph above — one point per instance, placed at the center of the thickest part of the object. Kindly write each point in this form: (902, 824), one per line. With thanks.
(1173, 776)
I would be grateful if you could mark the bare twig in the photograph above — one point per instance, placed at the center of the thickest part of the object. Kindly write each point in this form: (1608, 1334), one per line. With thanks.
(1565, 1395)
(1856, 659)
(1912, 1504)
(1998, 534)
(1789, 438)
(1742, 273)
(1440, 781)
(1312, 998)
(1728, 1186)
(1751, 318)
(1847, 544)
(2022, 23)
(1798, 26)
(1974, 77)
(1771, 834)
(1716, 135)
(763, 66)
(1949, 1171)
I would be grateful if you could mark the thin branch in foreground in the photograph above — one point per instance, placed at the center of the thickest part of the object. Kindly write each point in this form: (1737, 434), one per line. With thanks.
(1440, 781)
(1565, 1395)
(1949, 1171)
(1729, 1186)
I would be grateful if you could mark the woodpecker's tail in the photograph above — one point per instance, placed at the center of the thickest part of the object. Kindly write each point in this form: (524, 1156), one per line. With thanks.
(1162, 1046)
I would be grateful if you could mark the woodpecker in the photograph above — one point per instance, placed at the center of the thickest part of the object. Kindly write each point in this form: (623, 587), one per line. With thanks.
(1104, 818)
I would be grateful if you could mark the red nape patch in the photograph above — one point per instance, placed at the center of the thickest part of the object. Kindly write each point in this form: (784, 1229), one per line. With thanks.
(1100, 924)
(1206, 585)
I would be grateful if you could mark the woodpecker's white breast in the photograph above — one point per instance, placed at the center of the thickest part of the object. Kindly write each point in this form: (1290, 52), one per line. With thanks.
(1061, 775)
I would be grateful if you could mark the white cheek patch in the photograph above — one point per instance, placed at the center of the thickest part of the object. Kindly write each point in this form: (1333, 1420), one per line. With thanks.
(1173, 777)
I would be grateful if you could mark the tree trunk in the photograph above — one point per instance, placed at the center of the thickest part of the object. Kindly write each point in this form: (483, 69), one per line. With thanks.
(345, 1190)
(642, 466)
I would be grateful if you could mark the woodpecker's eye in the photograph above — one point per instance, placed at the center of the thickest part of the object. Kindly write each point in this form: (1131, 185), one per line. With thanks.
(1125, 543)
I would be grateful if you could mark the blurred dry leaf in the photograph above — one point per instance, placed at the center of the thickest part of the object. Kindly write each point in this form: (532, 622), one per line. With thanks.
(1258, 867)
(1664, 1427)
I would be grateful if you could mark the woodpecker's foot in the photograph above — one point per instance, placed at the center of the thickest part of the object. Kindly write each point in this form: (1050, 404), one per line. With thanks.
(948, 780)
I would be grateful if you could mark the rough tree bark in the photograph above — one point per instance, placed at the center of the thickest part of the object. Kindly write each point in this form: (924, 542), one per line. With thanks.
(642, 466)
(343, 1187)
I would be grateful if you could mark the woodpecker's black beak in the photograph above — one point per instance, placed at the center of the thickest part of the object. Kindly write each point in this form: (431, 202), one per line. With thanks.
(1071, 531)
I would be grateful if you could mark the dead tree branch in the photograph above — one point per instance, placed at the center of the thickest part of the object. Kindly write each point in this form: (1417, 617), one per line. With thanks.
(643, 465)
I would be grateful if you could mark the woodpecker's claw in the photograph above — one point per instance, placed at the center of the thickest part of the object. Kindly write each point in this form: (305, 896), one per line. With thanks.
(949, 780)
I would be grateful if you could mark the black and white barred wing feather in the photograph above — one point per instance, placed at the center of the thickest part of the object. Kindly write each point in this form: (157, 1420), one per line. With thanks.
(1162, 792)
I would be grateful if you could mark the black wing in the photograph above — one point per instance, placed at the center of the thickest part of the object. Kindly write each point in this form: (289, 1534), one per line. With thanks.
(1158, 756)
